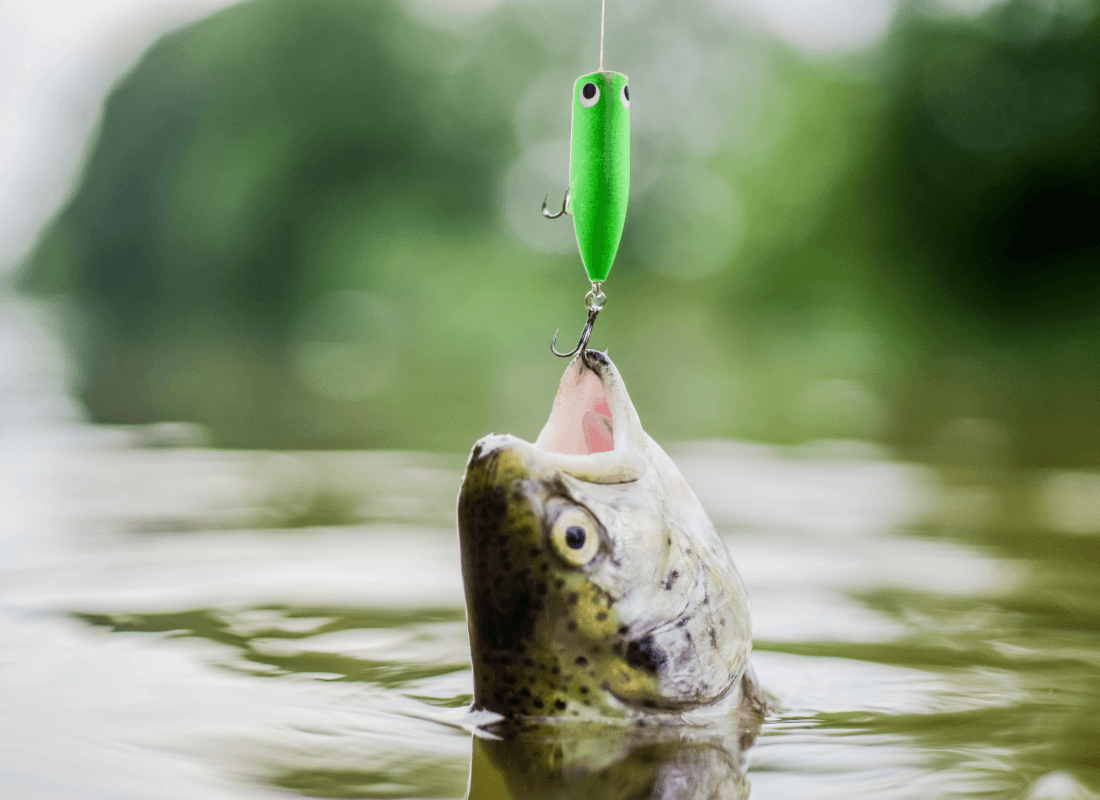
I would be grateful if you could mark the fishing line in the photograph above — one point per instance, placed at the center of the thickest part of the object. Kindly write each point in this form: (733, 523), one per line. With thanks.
(603, 16)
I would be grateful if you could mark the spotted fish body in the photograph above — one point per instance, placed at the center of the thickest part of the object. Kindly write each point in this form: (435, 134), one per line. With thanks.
(596, 586)
(599, 167)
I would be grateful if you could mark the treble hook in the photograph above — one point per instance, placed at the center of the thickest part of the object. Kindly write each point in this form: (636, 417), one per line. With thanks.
(594, 302)
(564, 203)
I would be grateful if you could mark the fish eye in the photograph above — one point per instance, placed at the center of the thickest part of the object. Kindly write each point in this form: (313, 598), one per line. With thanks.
(624, 95)
(590, 94)
(574, 537)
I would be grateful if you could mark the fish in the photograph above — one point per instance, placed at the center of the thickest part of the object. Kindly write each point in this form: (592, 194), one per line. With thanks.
(597, 588)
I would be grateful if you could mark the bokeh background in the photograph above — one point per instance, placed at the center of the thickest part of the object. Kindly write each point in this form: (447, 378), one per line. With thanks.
(862, 232)
(316, 225)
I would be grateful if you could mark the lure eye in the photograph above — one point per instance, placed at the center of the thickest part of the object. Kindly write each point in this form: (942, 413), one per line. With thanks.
(624, 95)
(574, 537)
(590, 94)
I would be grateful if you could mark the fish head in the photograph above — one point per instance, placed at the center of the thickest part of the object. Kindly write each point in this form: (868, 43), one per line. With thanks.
(595, 583)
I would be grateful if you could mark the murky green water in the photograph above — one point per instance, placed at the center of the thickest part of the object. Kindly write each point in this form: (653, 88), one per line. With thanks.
(180, 623)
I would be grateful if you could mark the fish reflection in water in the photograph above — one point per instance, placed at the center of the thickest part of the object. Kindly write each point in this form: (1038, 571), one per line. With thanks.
(585, 761)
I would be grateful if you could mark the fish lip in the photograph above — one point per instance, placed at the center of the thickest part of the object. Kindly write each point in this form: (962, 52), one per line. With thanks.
(599, 468)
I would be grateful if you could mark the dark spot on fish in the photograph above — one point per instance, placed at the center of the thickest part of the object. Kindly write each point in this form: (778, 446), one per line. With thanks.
(525, 692)
(576, 713)
(528, 662)
(644, 654)
(713, 637)
(513, 701)
(544, 567)
(534, 551)
(649, 703)
(559, 704)
(509, 679)
(538, 704)
(640, 723)
(582, 661)
(560, 582)
(514, 616)
(555, 671)
(671, 579)
(584, 690)
(477, 451)
(624, 630)
(498, 697)
(571, 625)
(601, 616)
(706, 599)
(573, 598)
(681, 622)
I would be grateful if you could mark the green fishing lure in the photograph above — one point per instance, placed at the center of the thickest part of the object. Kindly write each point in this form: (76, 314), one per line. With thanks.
(599, 180)
(599, 169)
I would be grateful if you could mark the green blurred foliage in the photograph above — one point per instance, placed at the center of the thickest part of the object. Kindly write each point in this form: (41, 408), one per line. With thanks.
(316, 225)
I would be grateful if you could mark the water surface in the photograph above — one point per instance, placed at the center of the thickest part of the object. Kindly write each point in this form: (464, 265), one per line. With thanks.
(181, 622)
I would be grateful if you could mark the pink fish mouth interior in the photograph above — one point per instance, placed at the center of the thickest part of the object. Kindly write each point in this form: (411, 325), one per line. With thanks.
(581, 422)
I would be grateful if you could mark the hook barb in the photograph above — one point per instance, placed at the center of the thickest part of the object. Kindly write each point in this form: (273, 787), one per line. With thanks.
(582, 344)
(564, 202)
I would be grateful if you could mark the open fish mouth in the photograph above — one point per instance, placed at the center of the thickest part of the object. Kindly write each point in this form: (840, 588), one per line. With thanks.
(594, 433)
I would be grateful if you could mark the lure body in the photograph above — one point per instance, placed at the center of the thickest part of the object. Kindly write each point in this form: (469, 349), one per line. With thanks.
(599, 168)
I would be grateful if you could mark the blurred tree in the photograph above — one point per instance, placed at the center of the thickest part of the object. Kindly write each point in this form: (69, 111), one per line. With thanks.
(979, 187)
(294, 228)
